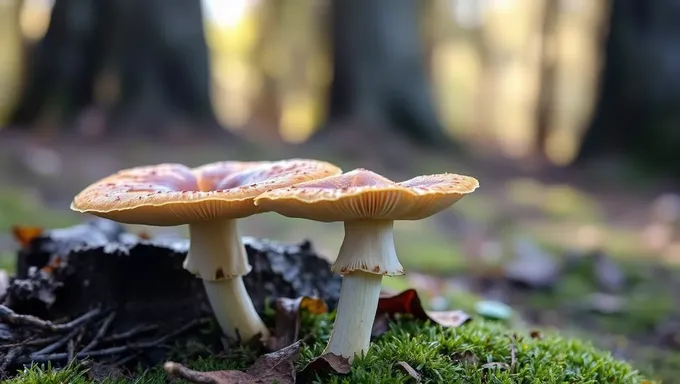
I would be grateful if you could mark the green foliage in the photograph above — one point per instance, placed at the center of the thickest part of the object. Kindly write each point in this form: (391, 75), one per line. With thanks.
(455, 355)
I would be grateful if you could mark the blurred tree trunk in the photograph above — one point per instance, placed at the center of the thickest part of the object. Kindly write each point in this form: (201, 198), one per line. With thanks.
(638, 111)
(548, 71)
(379, 77)
(156, 47)
(63, 64)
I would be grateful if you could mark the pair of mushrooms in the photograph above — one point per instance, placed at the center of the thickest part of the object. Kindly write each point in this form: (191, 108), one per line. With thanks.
(211, 199)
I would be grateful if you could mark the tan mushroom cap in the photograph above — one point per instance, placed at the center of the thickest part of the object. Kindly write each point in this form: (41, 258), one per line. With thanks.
(364, 195)
(173, 194)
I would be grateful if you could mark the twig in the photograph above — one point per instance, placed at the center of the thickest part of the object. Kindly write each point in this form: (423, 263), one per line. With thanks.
(513, 352)
(102, 330)
(9, 316)
(31, 342)
(9, 358)
(120, 349)
(57, 344)
(181, 372)
(71, 350)
(126, 359)
(130, 333)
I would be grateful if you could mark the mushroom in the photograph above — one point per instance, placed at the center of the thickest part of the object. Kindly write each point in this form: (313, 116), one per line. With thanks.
(209, 199)
(368, 204)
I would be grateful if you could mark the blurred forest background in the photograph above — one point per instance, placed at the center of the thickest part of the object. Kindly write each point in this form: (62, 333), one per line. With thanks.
(565, 110)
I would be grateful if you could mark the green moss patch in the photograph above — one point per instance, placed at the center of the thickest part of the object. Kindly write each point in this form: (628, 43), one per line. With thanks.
(477, 352)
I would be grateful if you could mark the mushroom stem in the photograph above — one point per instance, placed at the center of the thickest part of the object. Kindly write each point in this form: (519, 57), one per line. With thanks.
(367, 253)
(234, 310)
(355, 315)
(218, 257)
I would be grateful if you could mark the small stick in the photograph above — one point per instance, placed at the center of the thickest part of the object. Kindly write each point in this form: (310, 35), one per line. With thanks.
(130, 333)
(57, 344)
(513, 352)
(31, 342)
(71, 350)
(117, 350)
(126, 359)
(9, 359)
(181, 372)
(102, 330)
(9, 316)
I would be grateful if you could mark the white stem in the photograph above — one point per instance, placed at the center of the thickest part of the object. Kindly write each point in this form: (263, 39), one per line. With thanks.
(351, 333)
(366, 255)
(218, 257)
(216, 251)
(234, 310)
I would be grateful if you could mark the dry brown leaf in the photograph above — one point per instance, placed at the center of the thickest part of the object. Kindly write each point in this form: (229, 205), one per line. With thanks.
(287, 327)
(408, 302)
(25, 235)
(276, 367)
(408, 369)
(325, 364)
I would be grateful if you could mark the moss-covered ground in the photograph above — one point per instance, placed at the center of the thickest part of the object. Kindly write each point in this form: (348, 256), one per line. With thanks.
(477, 352)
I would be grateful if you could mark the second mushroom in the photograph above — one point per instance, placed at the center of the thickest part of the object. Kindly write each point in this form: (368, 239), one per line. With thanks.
(210, 199)
(368, 204)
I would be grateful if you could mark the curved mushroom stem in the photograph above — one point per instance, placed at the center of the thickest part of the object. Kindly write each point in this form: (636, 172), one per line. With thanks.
(367, 253)
(218, 257)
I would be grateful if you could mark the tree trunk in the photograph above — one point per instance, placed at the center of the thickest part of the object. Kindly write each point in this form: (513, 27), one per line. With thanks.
(63, 65)
(548, 71)
(638, 111)
(156, 47)
(379, 77)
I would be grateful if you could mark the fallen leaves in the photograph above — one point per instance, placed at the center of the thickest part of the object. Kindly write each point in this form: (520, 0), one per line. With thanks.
(279, 366)
(408, 369)
(25, 235)
(276, 367)
(408, 302)
(288, 311)
(326, 364)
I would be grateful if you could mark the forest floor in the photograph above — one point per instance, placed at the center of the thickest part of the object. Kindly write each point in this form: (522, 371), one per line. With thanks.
(519, 216)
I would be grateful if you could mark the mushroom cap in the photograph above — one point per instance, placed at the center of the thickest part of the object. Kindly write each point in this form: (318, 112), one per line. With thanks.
(364, 195)
(174, 194)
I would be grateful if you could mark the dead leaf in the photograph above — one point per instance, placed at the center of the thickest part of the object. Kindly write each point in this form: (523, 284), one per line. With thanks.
(24, 235)
(408, 302)
(536, 335)
(276, 367)
(404, 366)
(325, 364)
(381, 324)
(495, 365)
(466, 357)
(287, 327)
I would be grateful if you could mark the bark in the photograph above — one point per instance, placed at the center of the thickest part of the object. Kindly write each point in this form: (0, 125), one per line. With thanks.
(98, 264)
(157, 49)
(548, 72)
(379, 74)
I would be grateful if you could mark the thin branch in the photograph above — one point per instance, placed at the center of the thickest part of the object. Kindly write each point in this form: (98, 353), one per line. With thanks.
(9, 316)
(9, 358)
(120, 349)
(57, 344)
(130, 333)
(100, 334)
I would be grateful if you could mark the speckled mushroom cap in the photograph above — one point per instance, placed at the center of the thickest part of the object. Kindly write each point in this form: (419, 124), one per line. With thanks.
(173, 194)
(364, 195)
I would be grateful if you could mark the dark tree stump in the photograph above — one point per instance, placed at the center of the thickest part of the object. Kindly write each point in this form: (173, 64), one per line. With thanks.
(69, 271)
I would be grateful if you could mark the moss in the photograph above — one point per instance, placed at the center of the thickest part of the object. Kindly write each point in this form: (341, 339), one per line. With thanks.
(440, 355)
